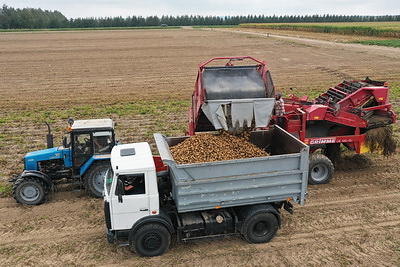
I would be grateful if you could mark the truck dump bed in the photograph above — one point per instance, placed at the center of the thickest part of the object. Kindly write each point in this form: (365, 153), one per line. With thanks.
(208, 185)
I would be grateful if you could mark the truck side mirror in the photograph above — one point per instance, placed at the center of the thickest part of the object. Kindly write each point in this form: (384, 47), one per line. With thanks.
(120, 190)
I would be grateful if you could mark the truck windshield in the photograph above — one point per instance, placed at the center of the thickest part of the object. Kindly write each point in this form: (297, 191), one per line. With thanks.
(109, 179)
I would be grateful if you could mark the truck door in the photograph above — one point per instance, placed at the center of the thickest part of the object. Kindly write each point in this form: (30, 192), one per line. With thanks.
(134, 202)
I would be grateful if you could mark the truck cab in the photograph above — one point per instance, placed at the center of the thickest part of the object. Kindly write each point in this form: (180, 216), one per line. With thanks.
(131, 201)
(131, 191)
(83, 156)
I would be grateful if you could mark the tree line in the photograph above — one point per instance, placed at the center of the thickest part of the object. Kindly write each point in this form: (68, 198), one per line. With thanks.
(32, 18)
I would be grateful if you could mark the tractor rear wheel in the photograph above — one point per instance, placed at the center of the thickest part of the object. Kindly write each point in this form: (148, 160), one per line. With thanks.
(29, 191)
(94, 179)
(320, 169)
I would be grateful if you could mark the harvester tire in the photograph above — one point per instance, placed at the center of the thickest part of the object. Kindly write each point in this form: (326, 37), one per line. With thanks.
(94, 179)
(260, 228)
(29, 191)
(151, 240)
(320, 169)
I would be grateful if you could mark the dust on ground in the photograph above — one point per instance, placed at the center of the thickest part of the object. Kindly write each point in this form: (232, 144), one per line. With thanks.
(354, 220)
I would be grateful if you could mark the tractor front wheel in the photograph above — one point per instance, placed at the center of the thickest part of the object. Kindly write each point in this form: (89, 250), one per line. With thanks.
(29, 191)
(94, 179)
(320, 169)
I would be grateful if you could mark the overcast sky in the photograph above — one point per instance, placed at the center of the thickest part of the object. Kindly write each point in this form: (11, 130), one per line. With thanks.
(125, 8)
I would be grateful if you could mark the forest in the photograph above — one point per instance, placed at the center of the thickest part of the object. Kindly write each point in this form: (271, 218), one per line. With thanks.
(33, 18)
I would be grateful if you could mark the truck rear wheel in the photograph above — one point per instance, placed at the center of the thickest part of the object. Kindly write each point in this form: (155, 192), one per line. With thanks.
(94, 179)
(151, 240)
(29, 191)
(260, 228)
(320, 169)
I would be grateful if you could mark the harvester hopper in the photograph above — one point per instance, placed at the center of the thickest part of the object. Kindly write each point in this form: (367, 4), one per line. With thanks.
(231, 97)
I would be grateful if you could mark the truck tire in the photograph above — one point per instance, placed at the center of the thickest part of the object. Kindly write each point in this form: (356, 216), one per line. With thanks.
(260, 228)
(150, 240)
(94, 179)
(29, 191)
(320, 169)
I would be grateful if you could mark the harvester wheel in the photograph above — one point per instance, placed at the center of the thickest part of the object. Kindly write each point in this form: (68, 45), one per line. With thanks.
(151, 240)
(260, 228)
(94, 179)
(29, 191)
(320, 169)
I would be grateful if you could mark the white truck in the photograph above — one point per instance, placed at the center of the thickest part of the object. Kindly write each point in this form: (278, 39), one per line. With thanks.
(144, 207)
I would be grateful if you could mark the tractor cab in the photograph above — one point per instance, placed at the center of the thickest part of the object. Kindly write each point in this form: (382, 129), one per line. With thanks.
(86, 139)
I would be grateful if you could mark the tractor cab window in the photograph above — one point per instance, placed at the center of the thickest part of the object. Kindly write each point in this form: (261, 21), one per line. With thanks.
(133, 184)
(102, 142)
(82, 149)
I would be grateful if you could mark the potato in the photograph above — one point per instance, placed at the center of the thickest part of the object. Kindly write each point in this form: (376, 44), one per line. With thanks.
(208, 147)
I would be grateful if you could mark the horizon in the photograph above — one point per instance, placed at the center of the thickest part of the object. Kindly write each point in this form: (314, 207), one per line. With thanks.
(74, 9)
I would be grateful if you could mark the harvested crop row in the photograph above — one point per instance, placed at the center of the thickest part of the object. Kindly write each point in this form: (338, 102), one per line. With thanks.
(208, 147)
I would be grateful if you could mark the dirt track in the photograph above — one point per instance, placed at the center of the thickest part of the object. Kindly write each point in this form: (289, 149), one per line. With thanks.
(352, 221)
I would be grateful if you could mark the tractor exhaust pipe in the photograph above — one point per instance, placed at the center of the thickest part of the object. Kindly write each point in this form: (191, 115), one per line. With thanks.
(49, 137)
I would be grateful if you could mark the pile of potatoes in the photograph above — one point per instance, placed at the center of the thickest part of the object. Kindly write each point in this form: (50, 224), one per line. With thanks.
(208, 147)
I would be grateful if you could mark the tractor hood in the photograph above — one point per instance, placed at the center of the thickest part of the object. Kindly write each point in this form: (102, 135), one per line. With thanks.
(32, 158)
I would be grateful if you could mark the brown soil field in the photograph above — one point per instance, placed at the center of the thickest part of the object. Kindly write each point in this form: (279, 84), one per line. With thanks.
(143, 79)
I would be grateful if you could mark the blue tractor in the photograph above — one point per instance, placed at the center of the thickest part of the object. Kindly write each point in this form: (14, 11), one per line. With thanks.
(84, 157)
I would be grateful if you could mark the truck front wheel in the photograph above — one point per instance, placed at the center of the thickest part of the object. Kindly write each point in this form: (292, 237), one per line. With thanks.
(260, 228)
(94, 179)
(320, 169)
(151, 240)
(29, 191)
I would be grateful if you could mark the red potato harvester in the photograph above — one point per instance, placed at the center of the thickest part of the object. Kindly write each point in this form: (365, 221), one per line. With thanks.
(233, 97)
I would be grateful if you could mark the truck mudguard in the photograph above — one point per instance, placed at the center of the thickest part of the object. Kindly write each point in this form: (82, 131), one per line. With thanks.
(161, 218)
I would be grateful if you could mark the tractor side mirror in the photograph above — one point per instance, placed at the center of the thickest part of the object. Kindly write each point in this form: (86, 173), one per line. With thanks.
(120, 190)
(65, 142)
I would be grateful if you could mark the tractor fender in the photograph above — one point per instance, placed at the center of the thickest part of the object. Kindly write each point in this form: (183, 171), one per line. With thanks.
(40, 175)
(94, 159)
(249, 211)
(161, 218)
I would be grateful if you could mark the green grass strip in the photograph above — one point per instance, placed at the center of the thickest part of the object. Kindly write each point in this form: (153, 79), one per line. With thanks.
(390, 43)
